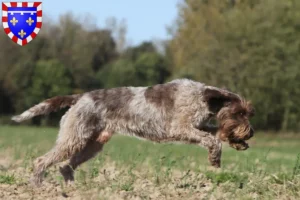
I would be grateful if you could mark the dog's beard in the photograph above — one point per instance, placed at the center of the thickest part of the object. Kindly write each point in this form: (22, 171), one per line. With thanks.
(226, 129)
(235, 134)
(242, 132)
(239, 144)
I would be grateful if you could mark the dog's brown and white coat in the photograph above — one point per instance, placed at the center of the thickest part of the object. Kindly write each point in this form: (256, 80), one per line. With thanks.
(177, 111)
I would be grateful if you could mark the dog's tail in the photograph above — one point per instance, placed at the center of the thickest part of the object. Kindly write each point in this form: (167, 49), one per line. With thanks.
(48, 106)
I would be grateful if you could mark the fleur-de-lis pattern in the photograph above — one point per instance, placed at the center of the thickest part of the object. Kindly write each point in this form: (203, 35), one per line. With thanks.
(22, 21)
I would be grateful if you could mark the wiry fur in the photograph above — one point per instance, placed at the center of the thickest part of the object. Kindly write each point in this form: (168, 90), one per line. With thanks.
(48, 106)
(178, 111)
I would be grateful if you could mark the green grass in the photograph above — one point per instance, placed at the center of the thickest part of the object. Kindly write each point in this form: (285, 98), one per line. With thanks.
(269, 169)
(7, 179)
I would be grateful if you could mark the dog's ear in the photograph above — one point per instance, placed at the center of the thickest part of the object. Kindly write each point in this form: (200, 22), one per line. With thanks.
(217, 98)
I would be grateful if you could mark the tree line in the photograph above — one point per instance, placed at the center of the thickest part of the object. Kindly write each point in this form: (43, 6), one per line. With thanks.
(251, 47)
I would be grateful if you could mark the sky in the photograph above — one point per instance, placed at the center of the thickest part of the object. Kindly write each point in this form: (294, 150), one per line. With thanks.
(145, 19)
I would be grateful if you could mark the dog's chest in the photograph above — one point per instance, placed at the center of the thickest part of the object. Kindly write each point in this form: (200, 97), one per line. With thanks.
(202, 119)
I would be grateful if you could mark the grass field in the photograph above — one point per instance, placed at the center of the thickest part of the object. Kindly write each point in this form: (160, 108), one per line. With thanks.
(129, 168)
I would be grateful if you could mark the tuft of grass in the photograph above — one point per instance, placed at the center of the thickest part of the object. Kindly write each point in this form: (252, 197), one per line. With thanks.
(127, 186)
(280, 178)
(93, 172)
(223, 177)
(296, 169)
(7, 179)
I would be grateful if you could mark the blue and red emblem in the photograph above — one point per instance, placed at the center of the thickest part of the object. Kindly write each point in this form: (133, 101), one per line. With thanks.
(22, 21)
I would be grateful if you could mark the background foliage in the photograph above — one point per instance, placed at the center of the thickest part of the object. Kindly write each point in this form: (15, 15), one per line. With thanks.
(248, 46)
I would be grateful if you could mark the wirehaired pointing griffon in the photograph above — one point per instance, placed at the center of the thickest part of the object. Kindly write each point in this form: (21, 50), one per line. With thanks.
(179, 111)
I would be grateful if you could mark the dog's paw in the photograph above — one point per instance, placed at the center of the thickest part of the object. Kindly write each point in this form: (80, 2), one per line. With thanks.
(68, 174)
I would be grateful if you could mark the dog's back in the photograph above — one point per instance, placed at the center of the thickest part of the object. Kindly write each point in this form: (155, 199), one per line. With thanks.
(145, 112)
(141, 111)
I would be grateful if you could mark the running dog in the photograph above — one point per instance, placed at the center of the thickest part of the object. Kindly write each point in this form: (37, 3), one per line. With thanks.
(177, 111)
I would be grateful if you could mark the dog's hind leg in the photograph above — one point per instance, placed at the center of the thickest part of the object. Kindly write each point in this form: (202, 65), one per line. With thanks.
(89, 151)
(63, 150)
(73, 137)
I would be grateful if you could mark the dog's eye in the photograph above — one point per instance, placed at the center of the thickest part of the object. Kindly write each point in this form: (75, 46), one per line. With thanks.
(241, 113)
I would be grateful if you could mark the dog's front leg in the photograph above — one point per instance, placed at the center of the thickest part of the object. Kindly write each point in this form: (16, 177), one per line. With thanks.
(204, 139)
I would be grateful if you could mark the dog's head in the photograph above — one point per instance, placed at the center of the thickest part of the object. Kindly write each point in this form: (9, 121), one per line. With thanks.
(232, 113)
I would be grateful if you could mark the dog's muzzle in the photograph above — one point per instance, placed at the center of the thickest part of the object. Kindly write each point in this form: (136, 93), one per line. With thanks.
(250, 134)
